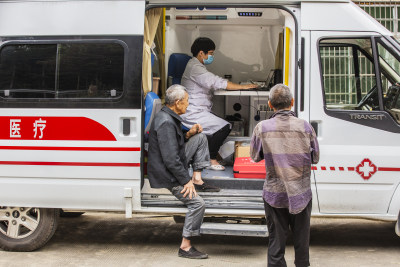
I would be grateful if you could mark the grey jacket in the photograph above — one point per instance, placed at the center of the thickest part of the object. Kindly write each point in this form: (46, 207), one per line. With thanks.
(166, 164)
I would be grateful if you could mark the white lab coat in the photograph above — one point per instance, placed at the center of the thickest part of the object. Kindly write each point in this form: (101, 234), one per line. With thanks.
(200, 84)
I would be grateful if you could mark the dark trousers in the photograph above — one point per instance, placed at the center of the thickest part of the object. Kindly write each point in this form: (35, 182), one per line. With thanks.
(216, 140)
(196, 151)
(278, 222)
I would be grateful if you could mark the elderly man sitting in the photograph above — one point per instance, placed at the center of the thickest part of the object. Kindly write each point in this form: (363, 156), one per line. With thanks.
(168, 163)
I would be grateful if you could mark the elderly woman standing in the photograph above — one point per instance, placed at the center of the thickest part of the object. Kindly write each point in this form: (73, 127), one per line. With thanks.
(200, 84)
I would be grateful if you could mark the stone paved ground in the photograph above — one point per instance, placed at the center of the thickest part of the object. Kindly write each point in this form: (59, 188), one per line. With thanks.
(101, 239)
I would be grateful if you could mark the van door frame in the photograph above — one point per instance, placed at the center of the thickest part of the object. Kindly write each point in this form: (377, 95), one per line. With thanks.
(297, 32)
(296, 90)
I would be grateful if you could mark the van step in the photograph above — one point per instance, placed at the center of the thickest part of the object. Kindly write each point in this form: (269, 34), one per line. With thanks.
(226, 198)
(224, 179)
(234, 229)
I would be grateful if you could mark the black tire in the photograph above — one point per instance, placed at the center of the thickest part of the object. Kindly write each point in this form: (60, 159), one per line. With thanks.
(47, 221)
(68, 214)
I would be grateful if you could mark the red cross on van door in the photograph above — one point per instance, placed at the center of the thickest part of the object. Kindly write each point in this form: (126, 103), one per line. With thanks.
(366, 169)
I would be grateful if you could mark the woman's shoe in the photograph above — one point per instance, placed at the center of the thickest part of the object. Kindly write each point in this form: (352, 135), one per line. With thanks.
(216, 167)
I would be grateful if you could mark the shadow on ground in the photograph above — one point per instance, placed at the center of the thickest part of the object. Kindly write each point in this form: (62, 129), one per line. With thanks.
(103, 228)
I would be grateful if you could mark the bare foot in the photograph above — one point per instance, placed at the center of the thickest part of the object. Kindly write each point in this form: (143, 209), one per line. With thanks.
(185, 245)
(196, 178)
(214, 162)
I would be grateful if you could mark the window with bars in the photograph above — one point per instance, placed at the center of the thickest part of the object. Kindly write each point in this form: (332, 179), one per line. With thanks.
(339, 72)
(349, 76)
(340, 77)
(348, 73)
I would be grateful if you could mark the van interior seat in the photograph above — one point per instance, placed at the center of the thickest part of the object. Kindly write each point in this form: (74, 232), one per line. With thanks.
(176, 66)
(152, 105)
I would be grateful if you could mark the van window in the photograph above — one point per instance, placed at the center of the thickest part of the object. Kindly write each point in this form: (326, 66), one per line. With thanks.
(27, 71)
(348, 74)
(65, 70)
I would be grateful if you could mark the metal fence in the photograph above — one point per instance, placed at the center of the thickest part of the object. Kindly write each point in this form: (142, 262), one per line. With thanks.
(385, 12)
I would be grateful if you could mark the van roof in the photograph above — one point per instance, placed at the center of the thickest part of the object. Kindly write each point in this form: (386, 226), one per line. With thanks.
(209, 2)
(235, 2)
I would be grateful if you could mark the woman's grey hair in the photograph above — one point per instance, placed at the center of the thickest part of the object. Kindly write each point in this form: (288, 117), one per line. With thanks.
(173, 93)
(280, 96)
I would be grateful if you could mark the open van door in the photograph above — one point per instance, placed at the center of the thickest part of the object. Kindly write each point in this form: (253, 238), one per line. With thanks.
(353, 74)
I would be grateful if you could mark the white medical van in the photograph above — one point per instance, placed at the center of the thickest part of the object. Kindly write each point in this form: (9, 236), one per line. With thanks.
(72, 90)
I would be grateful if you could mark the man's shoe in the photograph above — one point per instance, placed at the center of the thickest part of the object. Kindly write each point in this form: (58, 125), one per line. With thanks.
(206, 188)
(192, 254)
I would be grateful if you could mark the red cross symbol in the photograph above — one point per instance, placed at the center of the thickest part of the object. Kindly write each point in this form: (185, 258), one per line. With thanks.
(366, 169)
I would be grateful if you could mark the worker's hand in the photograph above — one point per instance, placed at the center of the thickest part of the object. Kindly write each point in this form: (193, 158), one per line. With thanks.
(249, 86)
(188, 189)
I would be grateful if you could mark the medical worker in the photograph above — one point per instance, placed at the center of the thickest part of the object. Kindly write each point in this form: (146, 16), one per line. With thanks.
(200, 84)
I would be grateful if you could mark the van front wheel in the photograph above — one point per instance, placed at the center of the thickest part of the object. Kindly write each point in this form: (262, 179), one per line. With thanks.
(26, 229)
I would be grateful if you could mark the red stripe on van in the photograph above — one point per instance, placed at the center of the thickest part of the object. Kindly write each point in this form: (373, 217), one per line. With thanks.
(389, 169)
(70, 148)
(53, 128)
(101, 164)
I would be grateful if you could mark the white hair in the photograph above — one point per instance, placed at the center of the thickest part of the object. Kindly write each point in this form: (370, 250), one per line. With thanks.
(173, 93)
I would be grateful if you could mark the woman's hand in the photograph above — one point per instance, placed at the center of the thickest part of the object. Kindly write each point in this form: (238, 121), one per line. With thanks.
(249, 86)
(236, 86)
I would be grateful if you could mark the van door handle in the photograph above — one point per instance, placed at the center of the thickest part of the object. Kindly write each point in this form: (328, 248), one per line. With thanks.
(126, 126)
(315, 124)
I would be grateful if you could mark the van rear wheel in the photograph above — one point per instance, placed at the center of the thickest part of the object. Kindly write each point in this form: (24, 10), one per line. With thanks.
(26, 229)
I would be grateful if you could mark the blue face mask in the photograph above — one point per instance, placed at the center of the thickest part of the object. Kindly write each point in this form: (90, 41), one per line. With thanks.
(209, 60)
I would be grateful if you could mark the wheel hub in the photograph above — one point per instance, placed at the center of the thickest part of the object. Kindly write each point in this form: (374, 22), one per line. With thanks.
(15, 214)
(18, 223)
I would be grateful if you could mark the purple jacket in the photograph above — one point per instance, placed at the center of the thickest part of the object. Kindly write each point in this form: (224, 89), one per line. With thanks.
(289, 147)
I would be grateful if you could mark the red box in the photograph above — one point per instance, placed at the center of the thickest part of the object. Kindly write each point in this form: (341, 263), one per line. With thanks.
(247, 168)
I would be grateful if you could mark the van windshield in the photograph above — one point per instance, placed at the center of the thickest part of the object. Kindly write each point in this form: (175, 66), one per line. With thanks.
(389, 62)
(397, 41)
